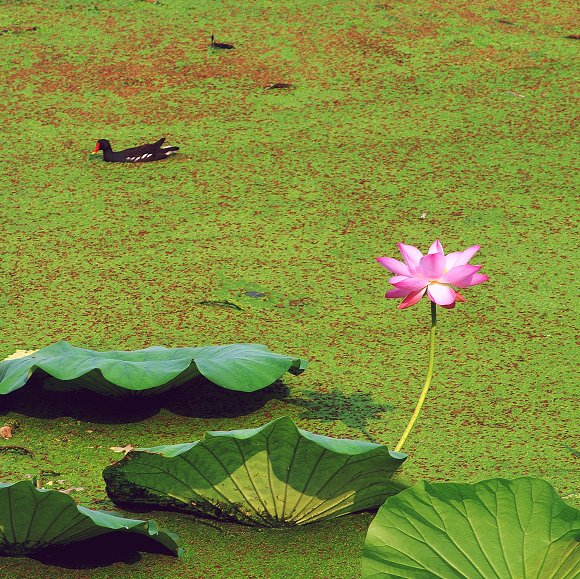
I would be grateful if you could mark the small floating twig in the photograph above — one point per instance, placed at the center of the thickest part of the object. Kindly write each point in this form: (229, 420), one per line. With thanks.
(220, 303)
(17, 450)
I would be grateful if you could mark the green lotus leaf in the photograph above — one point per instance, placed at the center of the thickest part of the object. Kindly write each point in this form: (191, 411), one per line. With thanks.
(495, 528)
(274, 476)
(242, 367)
(33, 519)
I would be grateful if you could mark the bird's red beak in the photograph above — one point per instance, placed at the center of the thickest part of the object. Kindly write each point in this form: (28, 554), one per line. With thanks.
(97, 148)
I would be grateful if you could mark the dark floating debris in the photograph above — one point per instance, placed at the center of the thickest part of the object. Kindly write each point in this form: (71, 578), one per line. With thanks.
(300, 302)
(220, 45)
(573, 36)
(504, 21)
(18, 29)
(279, 85)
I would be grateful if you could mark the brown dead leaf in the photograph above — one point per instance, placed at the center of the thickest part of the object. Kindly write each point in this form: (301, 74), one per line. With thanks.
(6, 431)
(124, 449)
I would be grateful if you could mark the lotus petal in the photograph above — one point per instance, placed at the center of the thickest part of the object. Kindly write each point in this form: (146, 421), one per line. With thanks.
(436, 247)
(460, 257)
(242, 367)
(411, 256)
(273, 476)
(494, 528)
(394, 265)
(33, 519)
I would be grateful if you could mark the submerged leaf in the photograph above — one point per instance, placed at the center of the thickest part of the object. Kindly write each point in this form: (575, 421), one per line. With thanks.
(495, 528)
(241, 367)
(33, 519)
(275, 475)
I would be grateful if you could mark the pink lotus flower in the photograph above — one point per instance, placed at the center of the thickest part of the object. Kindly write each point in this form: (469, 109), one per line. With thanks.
(433, 273)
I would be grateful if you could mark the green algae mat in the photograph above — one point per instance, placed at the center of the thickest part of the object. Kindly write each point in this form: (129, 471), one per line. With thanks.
(402, 122)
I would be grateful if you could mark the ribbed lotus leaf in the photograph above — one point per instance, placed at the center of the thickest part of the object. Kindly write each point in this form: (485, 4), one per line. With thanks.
(276, 475)
(494, 528)
(34, 519)
(241, 367)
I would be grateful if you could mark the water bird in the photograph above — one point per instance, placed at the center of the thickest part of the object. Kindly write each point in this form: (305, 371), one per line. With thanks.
(220, 45)
(142, 154)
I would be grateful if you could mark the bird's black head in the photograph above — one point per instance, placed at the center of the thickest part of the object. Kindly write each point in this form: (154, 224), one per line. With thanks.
(102, 145)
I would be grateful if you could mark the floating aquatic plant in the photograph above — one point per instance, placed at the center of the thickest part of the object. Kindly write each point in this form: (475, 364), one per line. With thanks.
(494, 528)
(34, 519)
(433, 274)
(241, 367)
(276, 475)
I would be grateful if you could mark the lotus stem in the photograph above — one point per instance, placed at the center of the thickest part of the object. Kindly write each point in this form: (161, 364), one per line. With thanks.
(427, 381)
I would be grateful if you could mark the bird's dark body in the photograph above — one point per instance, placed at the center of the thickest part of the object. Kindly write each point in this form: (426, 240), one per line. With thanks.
(220, 45)
(142, 154)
